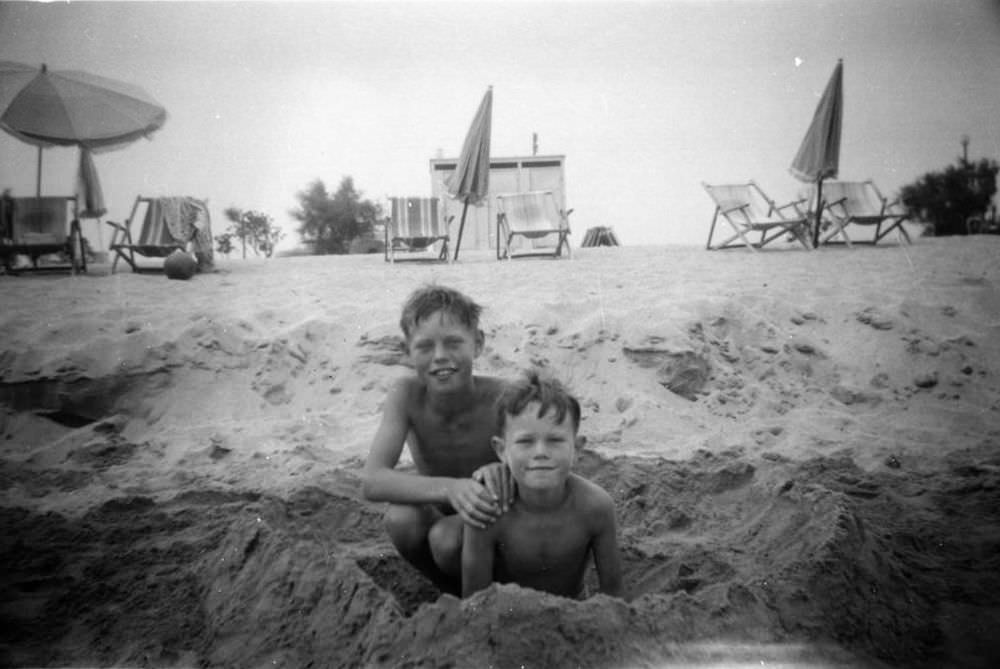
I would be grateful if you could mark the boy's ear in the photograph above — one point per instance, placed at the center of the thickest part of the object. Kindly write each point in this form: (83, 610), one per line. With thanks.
(499, 446)
(581, 442)
(480, 342)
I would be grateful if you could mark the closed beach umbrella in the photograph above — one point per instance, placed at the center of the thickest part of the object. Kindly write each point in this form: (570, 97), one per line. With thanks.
(89, 194)
(819, 155)
(73, 108)
(471, 180)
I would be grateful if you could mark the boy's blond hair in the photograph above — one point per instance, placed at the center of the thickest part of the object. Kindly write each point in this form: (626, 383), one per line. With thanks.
(431, 298)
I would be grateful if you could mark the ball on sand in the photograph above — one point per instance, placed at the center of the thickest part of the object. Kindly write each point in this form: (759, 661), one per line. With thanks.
(180, 265)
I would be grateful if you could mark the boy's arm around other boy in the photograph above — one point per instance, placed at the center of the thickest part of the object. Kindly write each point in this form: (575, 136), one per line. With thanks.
(382, 483)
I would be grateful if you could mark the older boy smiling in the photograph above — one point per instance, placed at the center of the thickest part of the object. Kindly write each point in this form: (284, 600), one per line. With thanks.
(446, 415)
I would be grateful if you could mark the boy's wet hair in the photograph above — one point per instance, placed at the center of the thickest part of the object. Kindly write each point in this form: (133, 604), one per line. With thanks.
(429, 299)
(537, 386)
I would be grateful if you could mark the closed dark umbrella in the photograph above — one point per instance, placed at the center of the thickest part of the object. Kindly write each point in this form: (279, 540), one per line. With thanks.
(89, 193)
(819, 155)
(470, 182)
(73, 108)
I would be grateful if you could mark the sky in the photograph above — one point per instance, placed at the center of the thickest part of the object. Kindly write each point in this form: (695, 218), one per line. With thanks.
(646, 100)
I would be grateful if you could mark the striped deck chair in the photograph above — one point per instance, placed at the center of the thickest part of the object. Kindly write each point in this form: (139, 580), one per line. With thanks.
(531, 224)
(35, 227)
(168, 224)
(747, 209)
(860, 203)
(416, 227)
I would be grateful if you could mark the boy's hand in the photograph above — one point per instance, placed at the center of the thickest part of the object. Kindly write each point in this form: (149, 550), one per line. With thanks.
(473, 502)
(499, 482)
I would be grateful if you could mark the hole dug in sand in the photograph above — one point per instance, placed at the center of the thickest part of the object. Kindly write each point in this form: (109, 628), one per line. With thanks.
(724, 558)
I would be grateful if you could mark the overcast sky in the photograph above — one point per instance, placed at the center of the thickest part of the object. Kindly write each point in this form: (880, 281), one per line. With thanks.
(646, 100)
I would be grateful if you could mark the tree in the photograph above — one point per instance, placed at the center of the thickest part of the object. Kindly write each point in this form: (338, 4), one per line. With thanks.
(949, 198)
(224, 243)
(253, 228)
(330, 223)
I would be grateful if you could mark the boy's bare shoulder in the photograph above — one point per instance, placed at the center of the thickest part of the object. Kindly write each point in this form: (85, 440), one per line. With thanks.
(589, 496)
(404, 390)
(490, 385)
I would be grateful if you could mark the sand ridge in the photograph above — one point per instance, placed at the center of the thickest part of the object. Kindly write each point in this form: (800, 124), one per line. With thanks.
(801, 446)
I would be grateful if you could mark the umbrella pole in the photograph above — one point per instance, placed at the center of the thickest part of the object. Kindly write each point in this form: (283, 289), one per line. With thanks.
(819, 212)
(38, 175)
(461, 227)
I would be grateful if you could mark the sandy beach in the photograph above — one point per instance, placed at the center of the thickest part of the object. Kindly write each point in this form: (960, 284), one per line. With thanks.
(803, 449)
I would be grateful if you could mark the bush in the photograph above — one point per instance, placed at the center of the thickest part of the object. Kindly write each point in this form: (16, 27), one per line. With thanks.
(948, 199)
(330, 223)
(366, 245)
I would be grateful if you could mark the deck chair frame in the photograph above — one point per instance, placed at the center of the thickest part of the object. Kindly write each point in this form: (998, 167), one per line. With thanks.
(536, 225)
(746, 219)
(841, 210)
(124, 247)
(14, 243)
(396, 243)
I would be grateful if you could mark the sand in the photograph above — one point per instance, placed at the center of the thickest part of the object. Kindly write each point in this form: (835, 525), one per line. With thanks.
(803, 449)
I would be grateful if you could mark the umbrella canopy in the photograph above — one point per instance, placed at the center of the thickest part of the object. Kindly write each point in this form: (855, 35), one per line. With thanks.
(471, 180)
(819, 155)
(72, 108)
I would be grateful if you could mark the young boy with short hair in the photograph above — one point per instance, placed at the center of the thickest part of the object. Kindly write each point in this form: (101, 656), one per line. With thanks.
(446, 414)
(560, 519)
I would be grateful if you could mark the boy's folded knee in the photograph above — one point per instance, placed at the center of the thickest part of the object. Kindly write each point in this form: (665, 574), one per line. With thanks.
(446, 535)
(401, 515)
(409, 520)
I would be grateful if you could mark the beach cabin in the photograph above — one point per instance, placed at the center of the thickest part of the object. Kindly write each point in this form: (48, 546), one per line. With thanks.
(507, 175)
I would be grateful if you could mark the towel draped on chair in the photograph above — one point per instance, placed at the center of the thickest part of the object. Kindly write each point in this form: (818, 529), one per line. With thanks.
(182, 220)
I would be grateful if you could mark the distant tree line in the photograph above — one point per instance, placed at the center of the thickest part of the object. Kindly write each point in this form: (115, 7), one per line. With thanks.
(948, 199)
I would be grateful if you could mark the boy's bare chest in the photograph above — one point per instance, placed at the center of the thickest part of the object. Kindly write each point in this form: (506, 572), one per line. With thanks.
(544, 543)
(452, 445)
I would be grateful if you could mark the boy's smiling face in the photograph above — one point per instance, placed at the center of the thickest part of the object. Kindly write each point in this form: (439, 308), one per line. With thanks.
(442, 350)
(538, 451)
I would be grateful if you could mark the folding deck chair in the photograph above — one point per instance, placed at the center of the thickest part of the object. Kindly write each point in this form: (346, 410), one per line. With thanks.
(860, 203)
(535, 217)
(748, 209)
(416, 225)
(36, 227)
(168, 224)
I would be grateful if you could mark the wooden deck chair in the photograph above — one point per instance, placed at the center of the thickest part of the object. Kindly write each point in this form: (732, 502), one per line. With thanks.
(37, 227)
(416, 226)
(537, 223)
(163, 231)
(860, 203)
(747, 209)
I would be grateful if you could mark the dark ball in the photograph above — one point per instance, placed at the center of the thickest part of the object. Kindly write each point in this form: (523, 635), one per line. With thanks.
(180, 265)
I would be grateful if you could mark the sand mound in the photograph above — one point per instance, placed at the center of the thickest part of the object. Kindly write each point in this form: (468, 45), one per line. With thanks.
(716, 547)
(806, 477)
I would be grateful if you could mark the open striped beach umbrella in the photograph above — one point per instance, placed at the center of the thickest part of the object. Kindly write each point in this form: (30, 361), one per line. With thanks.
(72, 108)
(470, 182)
(819, 155)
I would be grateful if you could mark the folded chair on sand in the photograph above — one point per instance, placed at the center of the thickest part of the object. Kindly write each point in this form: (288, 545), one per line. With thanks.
(34, 227)
(531, 224)
(168, 224)
(749, 210)
(415, 226)
(860, 203)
